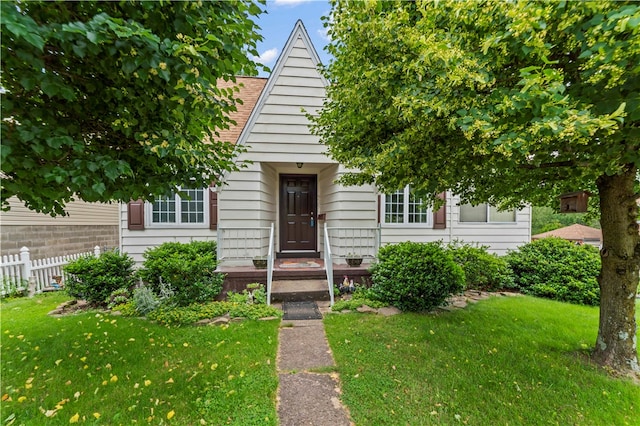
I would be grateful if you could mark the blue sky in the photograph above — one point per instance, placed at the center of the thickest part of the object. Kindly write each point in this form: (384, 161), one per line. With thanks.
(277, 24)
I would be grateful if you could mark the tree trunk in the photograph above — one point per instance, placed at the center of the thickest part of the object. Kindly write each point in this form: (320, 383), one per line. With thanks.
(616, 346)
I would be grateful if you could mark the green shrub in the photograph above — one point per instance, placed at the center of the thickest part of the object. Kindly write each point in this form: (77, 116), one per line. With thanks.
(95, 278)
(557, 269)
(127, 309)
(186, 315)
(415, 276)
(482, 270)
(354, 303)
(189, 270)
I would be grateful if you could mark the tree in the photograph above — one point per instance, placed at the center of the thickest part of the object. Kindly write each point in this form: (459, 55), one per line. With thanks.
(500, 102)
(118, 100)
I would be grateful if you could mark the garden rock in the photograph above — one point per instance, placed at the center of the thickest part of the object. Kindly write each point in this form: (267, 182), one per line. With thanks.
(388, 311)
(367, 309)
(70, 307)
(221, 320)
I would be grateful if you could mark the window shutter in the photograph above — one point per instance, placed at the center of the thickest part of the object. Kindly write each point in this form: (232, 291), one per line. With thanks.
(440, 216)
(135, 215)
(379, 208)
(213, 209)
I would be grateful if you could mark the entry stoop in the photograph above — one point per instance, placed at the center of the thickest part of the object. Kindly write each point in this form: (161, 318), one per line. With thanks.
(299, 290)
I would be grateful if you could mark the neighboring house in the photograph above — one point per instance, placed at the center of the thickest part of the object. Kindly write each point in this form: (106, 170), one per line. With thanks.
(86, 226)
(290, 183)
(577, 233)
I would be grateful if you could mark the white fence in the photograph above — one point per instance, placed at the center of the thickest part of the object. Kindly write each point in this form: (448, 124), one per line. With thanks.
(19, 273)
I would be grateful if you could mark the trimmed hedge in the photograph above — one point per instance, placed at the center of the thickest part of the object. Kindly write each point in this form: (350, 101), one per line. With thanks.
(415, 276)
(557, 269)
(95, 278)
(189, 269)
(483, 270)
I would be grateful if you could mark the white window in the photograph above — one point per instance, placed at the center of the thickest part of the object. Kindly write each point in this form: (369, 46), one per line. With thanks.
(192, 210)
(406, 207)
(485, 213)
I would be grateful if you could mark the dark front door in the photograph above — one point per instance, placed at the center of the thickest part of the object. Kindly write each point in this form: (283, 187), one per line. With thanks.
(298, 213)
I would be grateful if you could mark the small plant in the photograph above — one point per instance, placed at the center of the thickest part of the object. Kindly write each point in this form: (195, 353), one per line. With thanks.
(14, 287)
(356, 302)
(415, 276)
(118, 297)
(95, 278)
(145, 300)
(353, 259)
(127, 309)
(253, 294)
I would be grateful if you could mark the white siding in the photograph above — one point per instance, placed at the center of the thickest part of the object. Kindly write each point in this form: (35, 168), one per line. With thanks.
(135, 243)
(500, 237)
(79, 213)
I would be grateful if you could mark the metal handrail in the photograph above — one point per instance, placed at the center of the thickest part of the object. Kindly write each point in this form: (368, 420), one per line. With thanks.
(270, 263)
(328, 262)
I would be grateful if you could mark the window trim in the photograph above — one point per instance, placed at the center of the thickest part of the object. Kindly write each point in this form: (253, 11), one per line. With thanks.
(487, 222)
(405, 223)
(148, 214)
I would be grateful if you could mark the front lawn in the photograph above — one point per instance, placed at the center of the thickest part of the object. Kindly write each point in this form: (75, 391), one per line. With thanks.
(515, 361)
(94, 368)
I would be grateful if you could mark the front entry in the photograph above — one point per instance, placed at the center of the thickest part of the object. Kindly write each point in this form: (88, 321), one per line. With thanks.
(298, 209)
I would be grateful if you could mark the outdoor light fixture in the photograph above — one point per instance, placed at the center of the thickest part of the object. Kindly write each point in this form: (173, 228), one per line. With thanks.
(299, 165)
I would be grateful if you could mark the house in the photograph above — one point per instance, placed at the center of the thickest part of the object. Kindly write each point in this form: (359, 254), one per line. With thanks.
(87, 225)
(290, 183)
(577, 233)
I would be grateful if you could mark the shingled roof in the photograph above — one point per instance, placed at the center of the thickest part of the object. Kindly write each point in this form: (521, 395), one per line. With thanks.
(575, 232)
(250, 90)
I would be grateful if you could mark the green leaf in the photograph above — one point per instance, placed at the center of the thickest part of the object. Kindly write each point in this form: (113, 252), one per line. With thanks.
(50, 87)
(99, 187)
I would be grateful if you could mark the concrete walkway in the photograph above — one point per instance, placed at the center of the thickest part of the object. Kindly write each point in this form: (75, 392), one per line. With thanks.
(307, 394)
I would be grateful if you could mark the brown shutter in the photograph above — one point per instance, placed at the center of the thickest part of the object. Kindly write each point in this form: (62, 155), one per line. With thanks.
(135, 215)
(440, 216)
(213, 209)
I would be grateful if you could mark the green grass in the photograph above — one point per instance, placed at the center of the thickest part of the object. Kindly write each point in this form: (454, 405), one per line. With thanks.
(504, 361)
(117, 370)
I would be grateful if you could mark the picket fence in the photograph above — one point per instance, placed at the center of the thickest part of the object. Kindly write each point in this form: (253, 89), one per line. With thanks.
(18, 273)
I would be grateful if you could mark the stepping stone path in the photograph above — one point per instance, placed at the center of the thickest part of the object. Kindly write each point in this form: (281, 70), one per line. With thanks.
(305, 396)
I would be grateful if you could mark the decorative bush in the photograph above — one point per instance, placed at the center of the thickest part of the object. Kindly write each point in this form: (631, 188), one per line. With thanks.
(415, 276)
(482, 270)
(95, 278)
(557, 269)
(189, 270)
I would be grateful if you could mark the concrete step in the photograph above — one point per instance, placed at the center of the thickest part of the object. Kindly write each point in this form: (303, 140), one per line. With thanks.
(299, 290)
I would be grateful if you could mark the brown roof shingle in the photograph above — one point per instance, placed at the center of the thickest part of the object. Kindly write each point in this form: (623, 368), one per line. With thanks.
(250, 90)
(575, 232)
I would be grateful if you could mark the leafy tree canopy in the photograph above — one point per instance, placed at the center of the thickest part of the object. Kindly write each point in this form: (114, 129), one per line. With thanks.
(498, 101)
(118, 100)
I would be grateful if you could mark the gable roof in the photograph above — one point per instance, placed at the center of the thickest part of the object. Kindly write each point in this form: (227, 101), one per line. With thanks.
(250, 90)
(575, 232)
(299, 33)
